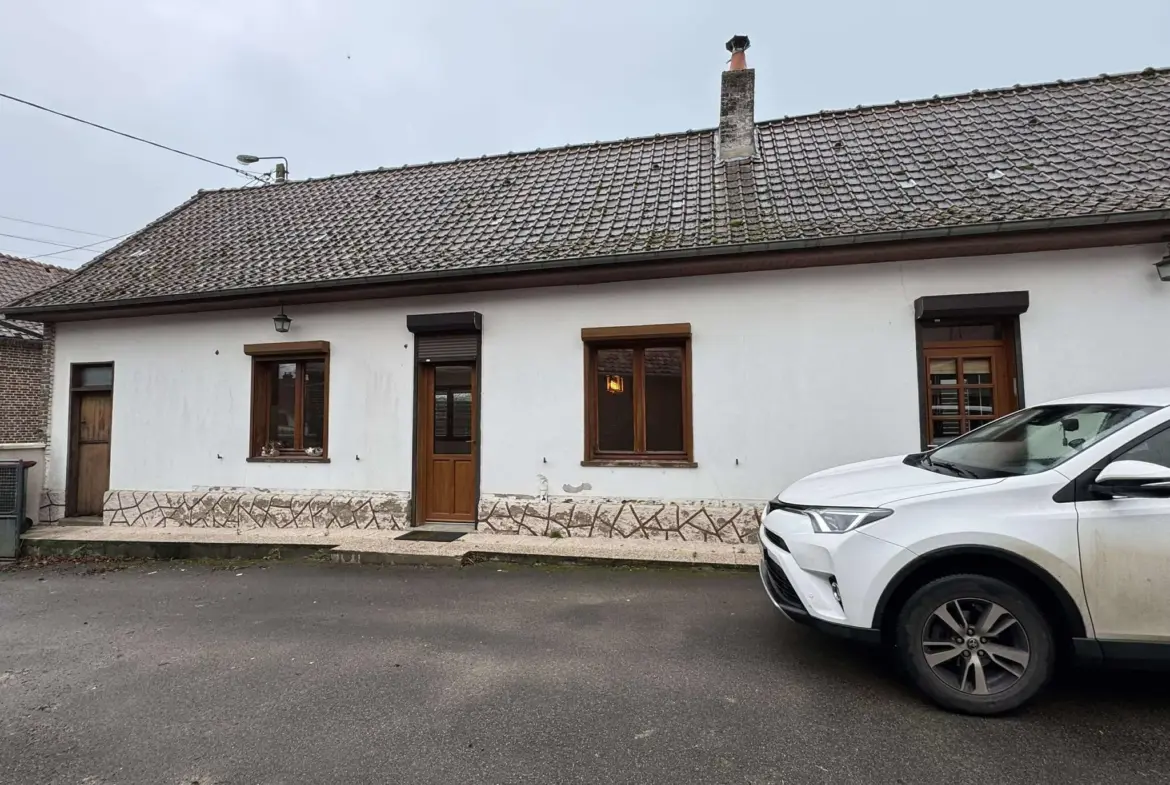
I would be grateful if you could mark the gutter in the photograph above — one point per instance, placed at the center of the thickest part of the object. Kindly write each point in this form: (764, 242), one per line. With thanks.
(46, 313)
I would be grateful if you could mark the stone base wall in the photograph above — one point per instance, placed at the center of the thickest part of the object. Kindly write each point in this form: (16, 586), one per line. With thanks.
(52, 507)
(698, 521)
(256, 509)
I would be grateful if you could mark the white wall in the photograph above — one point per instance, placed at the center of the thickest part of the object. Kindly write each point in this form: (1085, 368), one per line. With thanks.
(793, 371)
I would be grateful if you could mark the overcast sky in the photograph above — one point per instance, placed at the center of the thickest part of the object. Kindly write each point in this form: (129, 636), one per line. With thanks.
(340, 85)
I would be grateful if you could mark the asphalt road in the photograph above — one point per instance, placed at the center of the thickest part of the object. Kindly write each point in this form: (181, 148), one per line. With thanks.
(321, 673)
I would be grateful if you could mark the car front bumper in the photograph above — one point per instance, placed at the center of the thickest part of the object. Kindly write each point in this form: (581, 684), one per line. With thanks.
(780, 591)
(828, 581)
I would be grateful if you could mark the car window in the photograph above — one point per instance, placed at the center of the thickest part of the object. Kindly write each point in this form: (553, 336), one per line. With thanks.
(1155, 449)
(1032, 440)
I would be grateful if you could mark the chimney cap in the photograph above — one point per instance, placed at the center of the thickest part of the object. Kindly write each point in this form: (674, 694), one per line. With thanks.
(738, 43)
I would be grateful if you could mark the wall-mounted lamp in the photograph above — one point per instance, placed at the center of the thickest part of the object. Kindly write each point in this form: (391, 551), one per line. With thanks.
(615, 385)
(1163, 267)
(282, 322)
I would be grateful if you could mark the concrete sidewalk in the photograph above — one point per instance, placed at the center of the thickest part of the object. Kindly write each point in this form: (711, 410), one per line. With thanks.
(363, 547)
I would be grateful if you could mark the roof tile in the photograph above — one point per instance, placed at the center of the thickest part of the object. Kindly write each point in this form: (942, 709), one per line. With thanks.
(19, 278)
(1060, 150)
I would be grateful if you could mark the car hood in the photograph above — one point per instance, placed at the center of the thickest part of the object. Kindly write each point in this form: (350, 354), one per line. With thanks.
(873, 484)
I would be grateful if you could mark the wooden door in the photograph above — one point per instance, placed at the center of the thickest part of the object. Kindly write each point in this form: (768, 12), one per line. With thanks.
(447, 447)
(92, 441)
(967, 384)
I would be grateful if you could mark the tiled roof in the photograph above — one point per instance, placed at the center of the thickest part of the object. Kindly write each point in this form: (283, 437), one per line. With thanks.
(18, 278)
(1087, 148)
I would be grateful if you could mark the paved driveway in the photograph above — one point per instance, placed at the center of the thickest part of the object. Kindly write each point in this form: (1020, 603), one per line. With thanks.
(307, 673)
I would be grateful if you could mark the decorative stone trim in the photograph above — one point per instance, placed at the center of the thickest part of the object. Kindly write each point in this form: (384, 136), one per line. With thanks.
(700, 521)
(252, 508)
(52, 508)
(257, 509)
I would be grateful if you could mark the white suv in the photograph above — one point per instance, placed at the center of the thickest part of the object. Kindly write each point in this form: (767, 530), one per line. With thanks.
(1046, 532)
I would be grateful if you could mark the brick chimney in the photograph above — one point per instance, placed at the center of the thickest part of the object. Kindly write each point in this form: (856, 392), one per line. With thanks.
(737, 105)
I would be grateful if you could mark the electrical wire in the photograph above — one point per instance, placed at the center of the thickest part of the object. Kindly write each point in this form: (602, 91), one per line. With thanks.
(50, 226)
(81, 247)
(126, 135)
(47, 242)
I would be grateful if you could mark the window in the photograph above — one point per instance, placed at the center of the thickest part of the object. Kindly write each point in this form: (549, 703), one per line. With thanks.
(637, 395)
(453, 413)
(1154, 449)
(92, 377)
(290, 401)
(970, 375)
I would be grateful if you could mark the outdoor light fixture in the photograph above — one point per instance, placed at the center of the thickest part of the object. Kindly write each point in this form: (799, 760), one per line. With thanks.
(281, 321)
(281, 168)
(615, 385)
(1163, 267)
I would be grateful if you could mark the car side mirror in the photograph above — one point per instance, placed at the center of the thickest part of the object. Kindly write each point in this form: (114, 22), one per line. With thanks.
(1134, 478)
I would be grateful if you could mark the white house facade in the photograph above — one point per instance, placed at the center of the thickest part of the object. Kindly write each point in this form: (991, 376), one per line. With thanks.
(646, 338)
(791, 372)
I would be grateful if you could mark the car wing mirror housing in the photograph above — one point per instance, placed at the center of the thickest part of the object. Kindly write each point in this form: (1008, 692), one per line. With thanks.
(1134, 478)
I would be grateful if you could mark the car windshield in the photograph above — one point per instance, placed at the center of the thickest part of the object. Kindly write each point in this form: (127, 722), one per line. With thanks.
(1029, 441)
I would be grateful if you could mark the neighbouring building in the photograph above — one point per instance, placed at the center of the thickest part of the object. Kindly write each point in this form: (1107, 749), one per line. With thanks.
(25, 360)
(646, 337)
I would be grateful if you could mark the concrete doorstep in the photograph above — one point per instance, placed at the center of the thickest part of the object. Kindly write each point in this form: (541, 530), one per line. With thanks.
(383, 547)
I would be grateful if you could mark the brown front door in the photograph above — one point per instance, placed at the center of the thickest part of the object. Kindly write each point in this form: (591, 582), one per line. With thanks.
(447, 444)
(92, 457)
(968, 383)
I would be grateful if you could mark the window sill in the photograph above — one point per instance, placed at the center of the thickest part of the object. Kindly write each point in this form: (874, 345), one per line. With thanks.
(290, 459)
(648, 463)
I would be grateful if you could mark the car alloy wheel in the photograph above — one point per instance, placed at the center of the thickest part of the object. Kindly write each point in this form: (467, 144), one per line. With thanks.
(941, 629)
(975, 646)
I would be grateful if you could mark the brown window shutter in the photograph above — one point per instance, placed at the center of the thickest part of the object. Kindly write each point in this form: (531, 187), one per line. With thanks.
(447, 348)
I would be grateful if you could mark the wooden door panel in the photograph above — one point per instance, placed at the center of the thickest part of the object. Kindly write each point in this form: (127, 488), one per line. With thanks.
(93, 477)
(92, 452)
(442, 491)
(94, 425)
(464, 496)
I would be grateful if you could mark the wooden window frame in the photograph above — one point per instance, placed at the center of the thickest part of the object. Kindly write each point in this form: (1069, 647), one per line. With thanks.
(638, 338)
(1008, 390)
(263, 357)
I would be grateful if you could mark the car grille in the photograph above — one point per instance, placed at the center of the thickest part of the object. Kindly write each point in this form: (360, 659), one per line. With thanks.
(776, 540)
(780, 585)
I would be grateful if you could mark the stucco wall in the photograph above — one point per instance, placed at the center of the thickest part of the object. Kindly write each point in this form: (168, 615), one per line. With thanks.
(793, 371)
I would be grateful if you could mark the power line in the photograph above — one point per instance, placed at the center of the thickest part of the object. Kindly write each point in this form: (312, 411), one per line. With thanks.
(67, 250)
(47, 242)
(126, 135)
(50, 226)
(82, 247)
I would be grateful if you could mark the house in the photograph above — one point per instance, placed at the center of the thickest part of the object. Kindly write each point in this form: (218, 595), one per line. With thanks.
(25, 359)
(645, 337)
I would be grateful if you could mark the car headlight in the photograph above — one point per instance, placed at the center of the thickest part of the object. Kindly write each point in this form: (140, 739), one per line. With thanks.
(842, 519)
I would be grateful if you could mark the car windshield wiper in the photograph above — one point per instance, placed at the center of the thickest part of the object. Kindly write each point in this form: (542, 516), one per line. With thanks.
(959, 471)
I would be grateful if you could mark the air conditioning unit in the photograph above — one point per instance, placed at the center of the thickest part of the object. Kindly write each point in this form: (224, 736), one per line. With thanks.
(13, 520)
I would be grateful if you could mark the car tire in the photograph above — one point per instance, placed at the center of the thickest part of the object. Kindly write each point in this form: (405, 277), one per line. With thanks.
(970, 670)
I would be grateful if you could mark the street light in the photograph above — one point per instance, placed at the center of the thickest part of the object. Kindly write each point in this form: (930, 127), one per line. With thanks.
(281, 169)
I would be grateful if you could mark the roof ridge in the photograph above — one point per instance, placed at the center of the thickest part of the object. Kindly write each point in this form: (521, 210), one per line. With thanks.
(977, 93)
(486, 157)
(860, 108)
